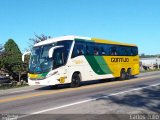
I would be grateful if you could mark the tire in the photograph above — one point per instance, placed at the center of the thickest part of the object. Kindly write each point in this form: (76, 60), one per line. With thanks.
(129, 74)
(75, 80)
(122, 75)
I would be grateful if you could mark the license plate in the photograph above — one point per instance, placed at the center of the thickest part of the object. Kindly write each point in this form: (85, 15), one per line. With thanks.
(37, 83)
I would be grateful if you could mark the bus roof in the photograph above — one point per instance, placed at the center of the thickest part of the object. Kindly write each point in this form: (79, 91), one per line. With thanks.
(52, 40)
(111, 42)
(72, 37)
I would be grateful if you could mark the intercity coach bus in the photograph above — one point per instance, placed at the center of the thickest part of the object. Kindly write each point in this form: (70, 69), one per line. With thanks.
(72, 59)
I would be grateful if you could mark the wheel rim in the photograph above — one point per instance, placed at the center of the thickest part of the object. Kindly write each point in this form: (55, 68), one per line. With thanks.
(75, 81)
(123, 75)
(129, 74)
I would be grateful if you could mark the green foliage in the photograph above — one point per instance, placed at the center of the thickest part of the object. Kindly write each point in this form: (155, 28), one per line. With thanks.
(12, 60)
(11, 57)
(1, 49)
(2, 53)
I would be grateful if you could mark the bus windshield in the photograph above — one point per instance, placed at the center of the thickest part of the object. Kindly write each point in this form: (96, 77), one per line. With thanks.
(40, 61)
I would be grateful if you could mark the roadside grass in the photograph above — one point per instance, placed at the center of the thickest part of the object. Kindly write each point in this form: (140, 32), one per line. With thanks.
(5, 86)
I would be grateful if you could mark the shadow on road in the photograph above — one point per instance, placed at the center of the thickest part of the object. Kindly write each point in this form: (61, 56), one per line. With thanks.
(84, 83)
(148, 99)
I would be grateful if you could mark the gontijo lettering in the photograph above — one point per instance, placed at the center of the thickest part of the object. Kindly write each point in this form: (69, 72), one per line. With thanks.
(119, 59)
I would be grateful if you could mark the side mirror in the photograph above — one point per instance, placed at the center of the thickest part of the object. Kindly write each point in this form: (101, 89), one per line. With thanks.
(51, 51)
(26, 53)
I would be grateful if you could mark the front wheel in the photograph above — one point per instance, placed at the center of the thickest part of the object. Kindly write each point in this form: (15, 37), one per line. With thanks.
(75, 80)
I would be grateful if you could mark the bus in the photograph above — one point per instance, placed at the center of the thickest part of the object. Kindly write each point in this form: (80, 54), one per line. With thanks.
(73, 59)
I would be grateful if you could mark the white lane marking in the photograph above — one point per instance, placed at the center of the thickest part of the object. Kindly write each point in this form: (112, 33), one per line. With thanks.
(88, 100)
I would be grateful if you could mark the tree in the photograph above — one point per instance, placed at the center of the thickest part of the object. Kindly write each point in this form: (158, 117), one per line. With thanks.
(1, 49)
(142, 55)
(37, 39)
(2, 54)
(12, 60)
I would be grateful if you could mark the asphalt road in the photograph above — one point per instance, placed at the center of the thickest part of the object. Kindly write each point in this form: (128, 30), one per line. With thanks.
(96, 100)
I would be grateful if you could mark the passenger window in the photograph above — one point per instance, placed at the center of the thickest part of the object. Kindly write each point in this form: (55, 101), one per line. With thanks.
(129, 51)
(122, 51)
(89, 48)
(79, 49)
(134, 51)
(113, 51)
(103, 51)
(96, 51)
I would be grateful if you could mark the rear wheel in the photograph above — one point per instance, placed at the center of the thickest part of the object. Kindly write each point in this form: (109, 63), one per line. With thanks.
(129, 74)
(122, 75)
(75, 80)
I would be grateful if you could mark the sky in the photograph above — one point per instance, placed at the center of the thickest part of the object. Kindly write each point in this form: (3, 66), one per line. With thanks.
(129, 21)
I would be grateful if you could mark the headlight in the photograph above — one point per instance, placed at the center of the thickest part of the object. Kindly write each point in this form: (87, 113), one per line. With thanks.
(51, 73)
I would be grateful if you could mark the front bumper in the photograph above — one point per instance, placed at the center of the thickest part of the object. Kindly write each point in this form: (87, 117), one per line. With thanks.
(47, 81)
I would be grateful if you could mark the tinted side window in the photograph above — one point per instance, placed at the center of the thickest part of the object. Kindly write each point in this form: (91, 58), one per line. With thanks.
(122, 51)
(58, 58)
(89, 48)
(66, 49)
(79, 49)
(97, 49)
(129, 51)
(134, 51)
(67, 43)
(113, 50)
(103, 50)
(106, 49)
